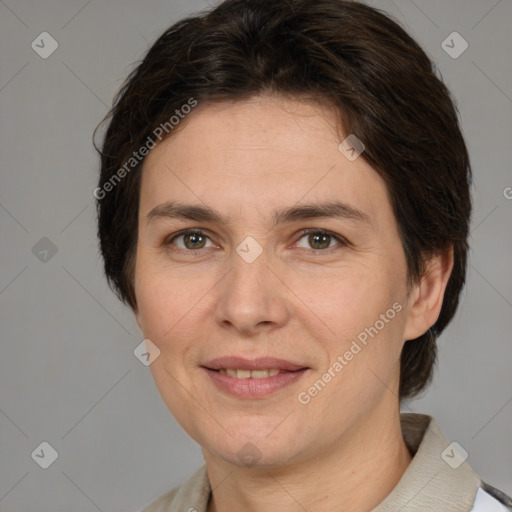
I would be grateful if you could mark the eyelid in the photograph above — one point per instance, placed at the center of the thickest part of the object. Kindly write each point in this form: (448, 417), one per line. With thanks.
(341, 239)
(189, 231)
(343, 242)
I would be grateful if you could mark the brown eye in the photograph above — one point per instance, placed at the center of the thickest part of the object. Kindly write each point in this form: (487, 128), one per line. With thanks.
(192, 240)
(320, 240)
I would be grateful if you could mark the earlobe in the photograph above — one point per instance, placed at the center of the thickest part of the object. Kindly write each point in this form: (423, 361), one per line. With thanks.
(426, 299)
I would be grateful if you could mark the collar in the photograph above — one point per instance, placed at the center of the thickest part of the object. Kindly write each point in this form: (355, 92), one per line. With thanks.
(429, 483)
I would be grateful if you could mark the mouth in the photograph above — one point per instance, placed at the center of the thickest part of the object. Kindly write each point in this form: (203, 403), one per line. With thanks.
(253, 365)
(251, 374)
(255, 378)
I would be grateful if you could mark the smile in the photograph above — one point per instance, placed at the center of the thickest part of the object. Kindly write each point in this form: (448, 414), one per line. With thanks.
(253, 384)
(248, 374)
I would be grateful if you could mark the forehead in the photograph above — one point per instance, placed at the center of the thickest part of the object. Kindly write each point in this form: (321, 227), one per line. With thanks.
(260, 155)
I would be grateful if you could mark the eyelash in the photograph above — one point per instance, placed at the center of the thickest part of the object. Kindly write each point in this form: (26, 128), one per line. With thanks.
(343, 242)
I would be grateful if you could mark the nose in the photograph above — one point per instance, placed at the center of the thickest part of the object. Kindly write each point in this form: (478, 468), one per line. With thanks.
(252, 297)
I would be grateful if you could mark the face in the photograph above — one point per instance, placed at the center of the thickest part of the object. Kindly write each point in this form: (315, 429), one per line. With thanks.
(263, 278)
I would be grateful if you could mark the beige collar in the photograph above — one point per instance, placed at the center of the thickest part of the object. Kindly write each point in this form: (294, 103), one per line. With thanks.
(429, 484)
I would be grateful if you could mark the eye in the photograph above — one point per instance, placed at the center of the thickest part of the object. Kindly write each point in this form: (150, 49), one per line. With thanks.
(320, 239)
(192, 240)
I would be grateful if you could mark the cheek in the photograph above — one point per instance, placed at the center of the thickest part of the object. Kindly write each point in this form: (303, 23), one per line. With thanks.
(348, 299)
(360, 315)
(171, 313)
(153, 310)
(157, 306)
(159, 293)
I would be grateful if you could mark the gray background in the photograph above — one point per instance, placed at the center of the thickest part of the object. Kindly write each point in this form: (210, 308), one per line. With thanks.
(68, 375)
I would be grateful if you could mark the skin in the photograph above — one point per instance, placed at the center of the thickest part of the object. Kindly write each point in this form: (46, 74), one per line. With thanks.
(296, 301)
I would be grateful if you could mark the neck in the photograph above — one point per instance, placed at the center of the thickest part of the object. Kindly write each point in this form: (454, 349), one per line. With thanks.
(356, 474)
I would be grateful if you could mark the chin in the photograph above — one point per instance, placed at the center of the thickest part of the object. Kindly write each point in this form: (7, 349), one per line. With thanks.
(257, 448)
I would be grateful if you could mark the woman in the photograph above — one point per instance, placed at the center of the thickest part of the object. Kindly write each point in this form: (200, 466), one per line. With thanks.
(284, 203)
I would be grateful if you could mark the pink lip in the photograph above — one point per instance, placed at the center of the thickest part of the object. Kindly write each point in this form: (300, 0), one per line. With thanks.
(254, 388)
(262, 363)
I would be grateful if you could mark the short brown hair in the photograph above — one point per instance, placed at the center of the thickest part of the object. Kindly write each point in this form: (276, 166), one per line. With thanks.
(386, 91)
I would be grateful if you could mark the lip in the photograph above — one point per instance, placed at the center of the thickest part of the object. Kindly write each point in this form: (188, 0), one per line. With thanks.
(254, 388)
(261, 363)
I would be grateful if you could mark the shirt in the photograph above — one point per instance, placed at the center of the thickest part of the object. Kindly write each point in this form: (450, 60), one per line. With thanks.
(438, 479)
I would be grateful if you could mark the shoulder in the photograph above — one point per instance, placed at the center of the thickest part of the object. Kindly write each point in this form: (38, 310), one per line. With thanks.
(190, 496)
(490, 499)
(163, 502)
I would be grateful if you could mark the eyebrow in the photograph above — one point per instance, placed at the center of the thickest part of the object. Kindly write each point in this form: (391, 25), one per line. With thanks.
(199, 213)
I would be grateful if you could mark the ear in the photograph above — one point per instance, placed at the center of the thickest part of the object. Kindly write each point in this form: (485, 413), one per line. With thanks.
(426, 297)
